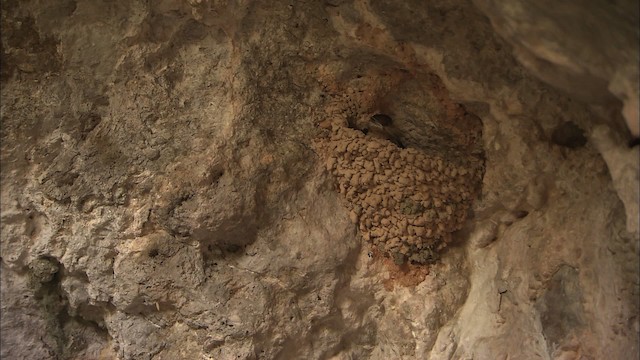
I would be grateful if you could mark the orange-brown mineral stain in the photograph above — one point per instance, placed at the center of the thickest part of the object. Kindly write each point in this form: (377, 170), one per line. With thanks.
(405, 275)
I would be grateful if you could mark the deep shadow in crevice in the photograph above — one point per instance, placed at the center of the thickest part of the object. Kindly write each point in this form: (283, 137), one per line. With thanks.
(72, 333)
(569, 135)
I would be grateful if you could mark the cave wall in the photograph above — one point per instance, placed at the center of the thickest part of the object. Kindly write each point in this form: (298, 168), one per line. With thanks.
(163, 195)
(587, 48)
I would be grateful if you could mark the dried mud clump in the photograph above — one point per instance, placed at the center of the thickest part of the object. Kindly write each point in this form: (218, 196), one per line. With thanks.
(406, 202)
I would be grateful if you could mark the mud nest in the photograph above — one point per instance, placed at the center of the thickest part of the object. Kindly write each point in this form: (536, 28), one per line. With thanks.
(406, 202)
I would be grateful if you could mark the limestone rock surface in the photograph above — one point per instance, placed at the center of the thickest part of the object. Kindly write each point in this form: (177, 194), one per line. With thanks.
(163, 194)
(587, 48)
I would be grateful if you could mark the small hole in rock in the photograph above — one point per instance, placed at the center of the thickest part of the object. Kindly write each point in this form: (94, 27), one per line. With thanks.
(233, 248)
(568, 134)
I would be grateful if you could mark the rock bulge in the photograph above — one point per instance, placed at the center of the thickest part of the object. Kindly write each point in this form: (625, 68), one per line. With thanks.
(406, 202)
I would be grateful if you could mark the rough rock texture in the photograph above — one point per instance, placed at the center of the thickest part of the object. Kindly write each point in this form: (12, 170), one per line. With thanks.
(162, 196)
(587, 48)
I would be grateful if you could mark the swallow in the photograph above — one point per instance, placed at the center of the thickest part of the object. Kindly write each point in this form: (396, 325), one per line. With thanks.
(381, 126)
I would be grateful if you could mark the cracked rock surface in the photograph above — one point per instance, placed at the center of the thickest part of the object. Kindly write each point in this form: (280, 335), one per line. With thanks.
(203, 180)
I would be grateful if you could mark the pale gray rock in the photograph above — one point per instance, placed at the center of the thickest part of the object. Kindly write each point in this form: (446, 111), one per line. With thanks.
(587, 48)
(161, 197)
